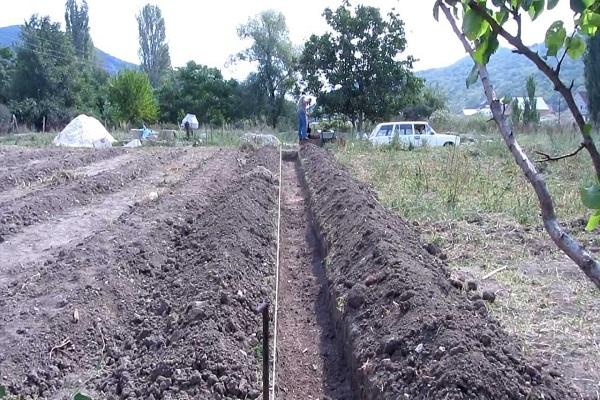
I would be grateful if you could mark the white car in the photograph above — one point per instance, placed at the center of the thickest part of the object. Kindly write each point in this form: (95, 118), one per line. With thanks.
(411, 133)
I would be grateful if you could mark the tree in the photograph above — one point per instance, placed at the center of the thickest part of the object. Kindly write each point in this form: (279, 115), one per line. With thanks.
(273, 51)
(531, 116)
(199, 90)
(132, 98)
(429, 101)
(154, 50)
(516, 113)
(355, 68)
(78, 30)
(7, 69)
(483, 22)
(46, 74)
(592, 74)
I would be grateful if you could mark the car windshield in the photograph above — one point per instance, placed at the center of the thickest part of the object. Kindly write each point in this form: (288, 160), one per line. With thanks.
(385, 130)
(404, 129)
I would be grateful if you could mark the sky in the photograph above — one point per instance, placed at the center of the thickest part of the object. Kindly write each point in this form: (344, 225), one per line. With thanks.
(205, 31)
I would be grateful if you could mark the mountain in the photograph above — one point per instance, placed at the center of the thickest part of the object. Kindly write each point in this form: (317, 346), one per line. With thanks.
(10, 36)
(508, 73)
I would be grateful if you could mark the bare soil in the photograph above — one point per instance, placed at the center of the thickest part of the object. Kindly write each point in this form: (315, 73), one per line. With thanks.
(155, 302)
(311, 364)
(409, 332)
(136, 276)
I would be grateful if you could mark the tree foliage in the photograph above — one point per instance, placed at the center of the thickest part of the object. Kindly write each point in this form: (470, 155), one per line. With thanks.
(78, 30)
(46, 72)
(154, 50)
(7, 69)
(531, 116)
(132, 98)
(272, 50)
(592, 77)
(199, 90)
(516, 112)
(356, 67)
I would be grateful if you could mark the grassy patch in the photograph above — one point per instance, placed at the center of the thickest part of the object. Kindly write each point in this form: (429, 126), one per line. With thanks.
(28, 139)
(474, 204)
(436, 184)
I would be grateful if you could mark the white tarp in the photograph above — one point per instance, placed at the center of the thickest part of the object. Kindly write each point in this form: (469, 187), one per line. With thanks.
(193, 121)
(84, 131)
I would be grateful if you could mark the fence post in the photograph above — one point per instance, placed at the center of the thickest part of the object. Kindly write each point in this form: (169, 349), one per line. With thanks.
(263, 309)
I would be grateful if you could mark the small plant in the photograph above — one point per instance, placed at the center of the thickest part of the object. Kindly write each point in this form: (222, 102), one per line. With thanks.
(81, 396)
(2, 392)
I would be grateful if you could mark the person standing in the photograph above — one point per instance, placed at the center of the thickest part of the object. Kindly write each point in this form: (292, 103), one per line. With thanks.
(303, 103)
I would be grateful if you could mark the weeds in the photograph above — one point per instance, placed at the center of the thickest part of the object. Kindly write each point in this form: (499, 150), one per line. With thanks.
(433, 184)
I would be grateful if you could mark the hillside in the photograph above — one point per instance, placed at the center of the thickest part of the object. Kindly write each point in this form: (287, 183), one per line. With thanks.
(508, 72)
(10, 36)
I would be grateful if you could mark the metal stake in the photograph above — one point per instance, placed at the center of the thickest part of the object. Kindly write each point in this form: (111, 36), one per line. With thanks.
(263, 309)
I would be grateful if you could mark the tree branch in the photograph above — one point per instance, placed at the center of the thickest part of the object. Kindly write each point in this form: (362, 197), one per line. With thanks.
(547, 157)
(551, 74)
(561, 238)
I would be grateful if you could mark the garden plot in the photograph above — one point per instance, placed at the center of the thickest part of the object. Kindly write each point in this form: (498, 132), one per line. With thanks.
(150, 288)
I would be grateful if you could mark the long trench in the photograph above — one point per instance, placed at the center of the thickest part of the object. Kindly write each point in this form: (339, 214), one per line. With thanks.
(310, 362)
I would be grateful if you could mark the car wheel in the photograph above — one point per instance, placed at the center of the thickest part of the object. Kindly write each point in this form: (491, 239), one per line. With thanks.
(448, 144)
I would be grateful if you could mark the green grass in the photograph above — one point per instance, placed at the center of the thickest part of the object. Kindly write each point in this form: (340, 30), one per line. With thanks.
(28, 139)
(469, 181)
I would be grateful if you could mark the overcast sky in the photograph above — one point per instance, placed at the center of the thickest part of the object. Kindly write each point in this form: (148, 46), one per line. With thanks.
(205, 31)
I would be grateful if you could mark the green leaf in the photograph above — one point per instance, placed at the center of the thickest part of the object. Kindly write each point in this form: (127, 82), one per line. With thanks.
(80, 396)
(474, 26)
(587, 129)
(537, 7)
(575, 47)
(555, 38)
(473, 76)
(590, 197)
(552, 4)
(579, 5)
(2, 392)
(589, 22)
(594, 221)
(487, 46)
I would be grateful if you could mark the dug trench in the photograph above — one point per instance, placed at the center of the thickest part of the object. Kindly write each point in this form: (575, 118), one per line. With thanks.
(405, 330)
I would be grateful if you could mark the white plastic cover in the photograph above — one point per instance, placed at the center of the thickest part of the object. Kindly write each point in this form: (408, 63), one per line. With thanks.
(193, 121)
(84, 131)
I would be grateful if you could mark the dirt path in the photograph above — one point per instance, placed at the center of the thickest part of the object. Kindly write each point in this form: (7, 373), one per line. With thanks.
(310, 363)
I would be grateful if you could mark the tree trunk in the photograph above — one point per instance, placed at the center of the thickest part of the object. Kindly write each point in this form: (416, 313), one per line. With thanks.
(561, 238)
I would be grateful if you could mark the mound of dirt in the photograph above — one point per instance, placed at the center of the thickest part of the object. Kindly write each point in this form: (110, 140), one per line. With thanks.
(407, 332)
(84, 131)
(253, 141)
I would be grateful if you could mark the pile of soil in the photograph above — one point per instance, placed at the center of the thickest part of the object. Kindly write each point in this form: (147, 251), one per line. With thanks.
(165, 296)
(407, 331)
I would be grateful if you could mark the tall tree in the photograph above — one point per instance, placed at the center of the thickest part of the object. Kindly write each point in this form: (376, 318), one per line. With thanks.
(273, 51)
(531, 116)
(46, 73)
(592, 80)
(7, 68)
(154, 50)
(78, 29)
(356, 67)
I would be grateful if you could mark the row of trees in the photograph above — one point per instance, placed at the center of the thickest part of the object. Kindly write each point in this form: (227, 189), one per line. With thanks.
(356, 70)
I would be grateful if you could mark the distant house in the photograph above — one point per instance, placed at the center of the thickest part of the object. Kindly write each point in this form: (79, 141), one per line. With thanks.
(543, 108)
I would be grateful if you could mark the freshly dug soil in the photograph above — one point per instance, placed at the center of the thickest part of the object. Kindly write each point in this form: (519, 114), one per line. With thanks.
(69, 190)
(164, 296)
(25, 166)
(408, 333)
(311, 364)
